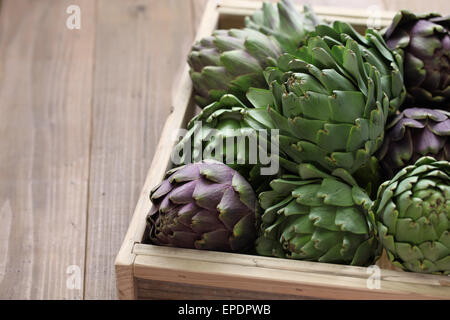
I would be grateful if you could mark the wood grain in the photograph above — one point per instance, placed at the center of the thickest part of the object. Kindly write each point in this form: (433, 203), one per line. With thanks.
(160, 290)
(284, 264)
(140, 47)
(281, 277)
(45, 95)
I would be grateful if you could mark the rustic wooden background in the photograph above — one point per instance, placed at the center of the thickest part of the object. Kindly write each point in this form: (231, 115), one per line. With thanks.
(80, 114)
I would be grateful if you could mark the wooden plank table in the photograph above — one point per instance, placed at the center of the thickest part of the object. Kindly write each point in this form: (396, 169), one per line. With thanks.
(81, 112)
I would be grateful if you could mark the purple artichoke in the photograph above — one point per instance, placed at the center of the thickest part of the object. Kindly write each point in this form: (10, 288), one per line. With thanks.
(414, 133)
(204, 205)
(425, 40)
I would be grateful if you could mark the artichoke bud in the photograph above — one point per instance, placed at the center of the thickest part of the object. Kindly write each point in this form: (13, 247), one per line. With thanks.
(332, 97)
(243, 54)
(413, 217)
(284, 22)
(243, 138)
(423, 41)
(204, 205)
(318, 216)
(239, 55)
(412, 134)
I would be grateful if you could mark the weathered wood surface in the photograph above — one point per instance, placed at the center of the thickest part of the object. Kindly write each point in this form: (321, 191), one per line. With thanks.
(160, 290)
(140, 47)
(241, 274)
(81, 114)
(45, 129)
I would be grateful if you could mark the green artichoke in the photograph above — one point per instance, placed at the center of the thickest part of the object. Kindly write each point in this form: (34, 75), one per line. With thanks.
(284, 22)
(230, 61)
(205, 205)
(425, 43)
(414, 133)
(332, 98)
(210, 130)
(254, 150)
(317, 217)
(413, 217)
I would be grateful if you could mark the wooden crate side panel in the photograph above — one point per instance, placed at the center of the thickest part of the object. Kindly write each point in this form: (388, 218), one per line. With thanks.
(153, 289)
(277, 281)
(288, 264)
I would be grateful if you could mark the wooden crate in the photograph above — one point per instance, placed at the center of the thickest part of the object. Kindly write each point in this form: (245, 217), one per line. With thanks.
(151, 272)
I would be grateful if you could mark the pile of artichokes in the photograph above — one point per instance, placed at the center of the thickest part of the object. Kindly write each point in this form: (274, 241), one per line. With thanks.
(359, 125)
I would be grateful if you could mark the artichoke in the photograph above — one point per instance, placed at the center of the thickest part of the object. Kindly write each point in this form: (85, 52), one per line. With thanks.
(205, 205)
(230, 61)
(414, 133)
(209, 132)
(228, 122)
(317, 217)
(332, 98)
(413, 217)
(425, 42)
(284, 22)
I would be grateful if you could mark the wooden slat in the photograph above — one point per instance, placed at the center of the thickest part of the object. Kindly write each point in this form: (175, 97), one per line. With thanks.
(140, 48)
(276, 280)
(158, 290)
(442, 6)
(45, 106)
(288, 264)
